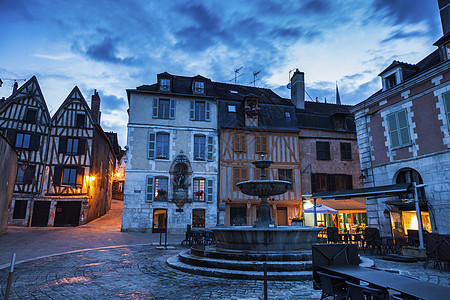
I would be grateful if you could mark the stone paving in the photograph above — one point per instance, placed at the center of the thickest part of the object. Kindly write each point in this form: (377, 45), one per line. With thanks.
(91, 261)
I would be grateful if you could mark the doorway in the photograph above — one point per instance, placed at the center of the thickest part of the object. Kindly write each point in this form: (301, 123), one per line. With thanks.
(67, 213)
(41, 210)
(238, 215)
(282, 219)
(159, 221)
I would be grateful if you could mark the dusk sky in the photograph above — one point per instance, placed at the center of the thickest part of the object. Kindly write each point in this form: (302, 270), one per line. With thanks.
(112, 46)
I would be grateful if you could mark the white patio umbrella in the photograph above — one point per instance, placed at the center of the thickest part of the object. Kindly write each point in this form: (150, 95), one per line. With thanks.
(321, 209)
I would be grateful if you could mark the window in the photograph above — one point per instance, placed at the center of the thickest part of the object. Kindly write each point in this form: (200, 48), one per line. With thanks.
(346, 151)
(164, 84)
(284, 174)
(30, 115)
(447, 107)
(390, 81)
(199, 189)
(287, 114)
(161, 188)
(20, 209)
(158, 145)
(261, 144)
(71, 176)
(239, 143)
(199, 87)
(23, 140)
(71, 146)
(323, 150)
(399, 129)
(239, 174)
(200, 111)
(163, 108)
(80, 121)
(199, 147)
(198, 217)
(231, 108)
(25, 174)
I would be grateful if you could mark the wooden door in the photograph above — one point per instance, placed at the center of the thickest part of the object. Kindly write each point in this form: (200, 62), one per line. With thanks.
(282, 219)
(41, 210)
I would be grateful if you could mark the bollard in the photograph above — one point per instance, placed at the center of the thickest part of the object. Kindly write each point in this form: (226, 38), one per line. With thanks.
(10, 277)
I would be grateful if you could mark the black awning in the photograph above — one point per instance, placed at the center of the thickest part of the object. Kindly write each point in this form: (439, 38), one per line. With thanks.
(406, 205)
(386, 190)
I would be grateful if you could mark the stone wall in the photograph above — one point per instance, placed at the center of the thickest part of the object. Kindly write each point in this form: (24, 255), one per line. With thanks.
(8, 169)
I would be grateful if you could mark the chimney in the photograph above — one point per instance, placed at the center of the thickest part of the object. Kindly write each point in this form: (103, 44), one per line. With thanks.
(444, 8)
(16, 85)
(95, 107)
(298, 89)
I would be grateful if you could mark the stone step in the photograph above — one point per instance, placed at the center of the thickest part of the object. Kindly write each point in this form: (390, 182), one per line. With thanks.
(175, 263)
(218, 253)
(275, 266)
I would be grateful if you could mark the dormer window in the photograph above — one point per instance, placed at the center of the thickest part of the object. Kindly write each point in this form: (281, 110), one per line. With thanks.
(199, 87)
(231, 108)
(164, 84)
(390, 81)
(447, 50)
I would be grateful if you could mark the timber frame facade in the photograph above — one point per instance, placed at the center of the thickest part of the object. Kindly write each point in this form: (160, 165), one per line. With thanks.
(66, 163)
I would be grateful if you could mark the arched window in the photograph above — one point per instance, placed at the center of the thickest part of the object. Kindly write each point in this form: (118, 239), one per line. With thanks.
(409, 176)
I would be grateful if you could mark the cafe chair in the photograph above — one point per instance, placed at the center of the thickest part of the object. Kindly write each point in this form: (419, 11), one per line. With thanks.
(363, 292)
(332, 286)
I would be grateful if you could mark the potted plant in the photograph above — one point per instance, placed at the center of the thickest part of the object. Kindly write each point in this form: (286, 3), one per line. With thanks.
(162, 193)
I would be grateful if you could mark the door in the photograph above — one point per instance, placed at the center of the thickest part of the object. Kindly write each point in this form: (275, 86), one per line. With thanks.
(41, 210)
(238, 215)
(67, 213)
(282, 218)
(159, 221)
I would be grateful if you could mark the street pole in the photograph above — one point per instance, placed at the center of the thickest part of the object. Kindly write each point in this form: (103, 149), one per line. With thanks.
(419, 218)
(315, 213)
(10, 277)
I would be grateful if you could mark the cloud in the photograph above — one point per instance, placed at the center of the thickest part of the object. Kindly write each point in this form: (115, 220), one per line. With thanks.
(317, 6)
(106, 51)
(110, 103)
(401, 34)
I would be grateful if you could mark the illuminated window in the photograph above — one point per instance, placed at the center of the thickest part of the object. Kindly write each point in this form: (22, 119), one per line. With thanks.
(199, 189)
(161, 188)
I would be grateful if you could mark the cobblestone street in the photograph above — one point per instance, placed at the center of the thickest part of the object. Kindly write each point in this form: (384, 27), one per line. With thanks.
(97, 261)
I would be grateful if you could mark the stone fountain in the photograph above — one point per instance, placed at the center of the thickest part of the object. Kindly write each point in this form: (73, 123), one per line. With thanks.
(240, 251)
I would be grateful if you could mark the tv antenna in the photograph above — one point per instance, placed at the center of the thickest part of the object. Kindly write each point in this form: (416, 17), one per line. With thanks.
(255, 75)
(13, 80)
(236, 76)
(289, 79)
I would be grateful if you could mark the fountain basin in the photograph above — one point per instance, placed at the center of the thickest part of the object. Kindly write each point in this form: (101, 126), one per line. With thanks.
(264, 188)
(283, 238)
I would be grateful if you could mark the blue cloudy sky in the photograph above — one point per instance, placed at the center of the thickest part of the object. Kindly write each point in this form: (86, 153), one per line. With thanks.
(115, 45)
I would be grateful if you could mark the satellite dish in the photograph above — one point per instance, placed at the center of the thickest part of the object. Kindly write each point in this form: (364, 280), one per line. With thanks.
(288, 86)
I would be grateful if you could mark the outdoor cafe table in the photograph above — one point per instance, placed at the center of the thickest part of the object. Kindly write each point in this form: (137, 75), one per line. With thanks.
(380, 278)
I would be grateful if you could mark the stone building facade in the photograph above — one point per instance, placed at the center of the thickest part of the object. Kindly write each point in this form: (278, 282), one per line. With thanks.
(404, 136)
(171, 161)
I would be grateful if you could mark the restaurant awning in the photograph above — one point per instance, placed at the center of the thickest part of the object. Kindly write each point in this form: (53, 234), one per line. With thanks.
(385, 190)
(345, 204)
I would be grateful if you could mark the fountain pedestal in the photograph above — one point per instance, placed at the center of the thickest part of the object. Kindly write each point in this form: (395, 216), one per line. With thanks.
(264, 220)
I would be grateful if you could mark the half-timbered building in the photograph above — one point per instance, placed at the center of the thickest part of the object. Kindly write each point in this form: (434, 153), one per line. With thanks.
(65, 164)
(25, 121)
(255, 123)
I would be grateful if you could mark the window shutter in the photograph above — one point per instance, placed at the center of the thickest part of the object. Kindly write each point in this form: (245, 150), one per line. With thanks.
(209, 190)
(80, 175)
(235, 142)
(264, 144)
(393, 131)
(29, 174)
(151, 144)
(155, 108)
(11, 135)
(244, 174)
(57, 173)
(258, 144)
(349, 182)
(208, 111)
(236, 177)
(149, 189)
(210, 148)
(81, 146)
(447, 107)
(331, 183)
(35, 142)
(62, 146)
(192, 110)
(172, 109)
(243, 143)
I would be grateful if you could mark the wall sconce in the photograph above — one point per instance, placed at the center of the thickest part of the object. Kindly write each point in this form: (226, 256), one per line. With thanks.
(386, 213)
(363, 175)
